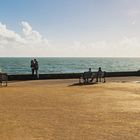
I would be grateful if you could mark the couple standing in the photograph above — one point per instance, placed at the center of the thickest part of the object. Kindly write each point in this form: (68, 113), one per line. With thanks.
(34, 67)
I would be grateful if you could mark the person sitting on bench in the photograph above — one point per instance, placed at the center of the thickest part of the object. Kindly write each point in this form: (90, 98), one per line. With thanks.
(86, 76)
(100, 75)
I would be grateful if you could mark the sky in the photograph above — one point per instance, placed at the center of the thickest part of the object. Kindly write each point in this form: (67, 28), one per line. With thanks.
(69, 28)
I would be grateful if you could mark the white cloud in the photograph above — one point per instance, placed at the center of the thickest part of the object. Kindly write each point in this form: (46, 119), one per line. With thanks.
(32, 43)
(32, 36)
(125, 47)
(132, 42)
(134, 15)
(9, 35)
(29, 42)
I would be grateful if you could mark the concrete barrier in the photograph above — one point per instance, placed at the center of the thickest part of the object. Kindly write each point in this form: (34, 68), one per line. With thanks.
(68, 75)
(123, 73)
(44, 76)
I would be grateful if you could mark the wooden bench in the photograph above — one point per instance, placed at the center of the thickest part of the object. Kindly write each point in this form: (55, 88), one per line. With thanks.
(87, 77)
(3, 79)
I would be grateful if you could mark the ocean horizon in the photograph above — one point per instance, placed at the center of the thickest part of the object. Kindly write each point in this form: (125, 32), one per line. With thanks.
(21, 65)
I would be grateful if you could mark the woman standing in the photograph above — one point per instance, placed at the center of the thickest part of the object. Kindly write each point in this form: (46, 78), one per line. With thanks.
(32, 66)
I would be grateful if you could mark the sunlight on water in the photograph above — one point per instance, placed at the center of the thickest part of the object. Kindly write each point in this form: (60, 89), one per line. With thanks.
(68, 65)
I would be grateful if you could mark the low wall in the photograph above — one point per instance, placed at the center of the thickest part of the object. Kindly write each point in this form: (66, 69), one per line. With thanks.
(123, 73)
(68, 75)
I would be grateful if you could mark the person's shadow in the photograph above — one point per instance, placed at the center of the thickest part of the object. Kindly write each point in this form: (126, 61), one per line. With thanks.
(83, 84)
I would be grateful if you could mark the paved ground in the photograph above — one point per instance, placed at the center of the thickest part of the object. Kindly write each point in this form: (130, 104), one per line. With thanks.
(65, 110)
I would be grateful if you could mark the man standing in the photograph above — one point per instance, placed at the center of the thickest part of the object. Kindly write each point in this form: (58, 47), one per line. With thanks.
(32, 66)
(36, 67)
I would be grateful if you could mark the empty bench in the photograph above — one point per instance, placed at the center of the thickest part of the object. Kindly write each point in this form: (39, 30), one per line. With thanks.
(3, 79)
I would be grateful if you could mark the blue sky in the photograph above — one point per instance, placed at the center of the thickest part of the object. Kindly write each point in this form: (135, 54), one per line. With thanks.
(87, 28)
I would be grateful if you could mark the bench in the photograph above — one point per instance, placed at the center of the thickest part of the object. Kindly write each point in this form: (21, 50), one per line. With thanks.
(3, 78)
(87, 77)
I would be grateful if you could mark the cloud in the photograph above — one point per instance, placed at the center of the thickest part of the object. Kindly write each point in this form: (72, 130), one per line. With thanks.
(29, 41)
(134, 14)
(125, 47)
(32, 36)
(8, 35)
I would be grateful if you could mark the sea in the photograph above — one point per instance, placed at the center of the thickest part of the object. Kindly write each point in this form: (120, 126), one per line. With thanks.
(50, 65)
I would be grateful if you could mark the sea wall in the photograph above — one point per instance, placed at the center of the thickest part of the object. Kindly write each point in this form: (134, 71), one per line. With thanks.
(68, 75)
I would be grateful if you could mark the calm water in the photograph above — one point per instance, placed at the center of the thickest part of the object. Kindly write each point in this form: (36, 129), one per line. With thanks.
(68, 65)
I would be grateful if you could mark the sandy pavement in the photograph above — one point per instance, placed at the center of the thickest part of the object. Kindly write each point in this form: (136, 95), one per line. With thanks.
(64, 110)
